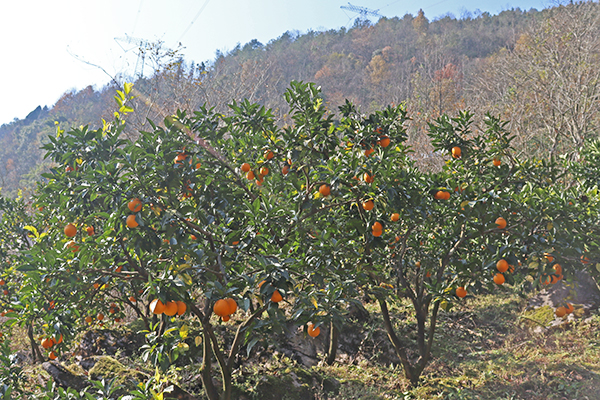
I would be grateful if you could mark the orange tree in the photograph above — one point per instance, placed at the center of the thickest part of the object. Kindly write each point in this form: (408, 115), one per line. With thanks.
(206, 207)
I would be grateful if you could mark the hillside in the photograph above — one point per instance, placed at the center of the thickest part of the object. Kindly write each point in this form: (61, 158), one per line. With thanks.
(538, 70)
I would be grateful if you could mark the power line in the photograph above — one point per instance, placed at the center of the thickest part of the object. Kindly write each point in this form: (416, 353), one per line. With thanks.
(193, 20)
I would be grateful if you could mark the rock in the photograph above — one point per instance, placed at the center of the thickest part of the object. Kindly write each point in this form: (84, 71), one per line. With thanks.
(108, 342)
(582, 291)
(64, 377)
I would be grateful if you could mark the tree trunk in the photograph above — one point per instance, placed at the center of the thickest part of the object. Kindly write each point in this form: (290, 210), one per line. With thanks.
(206, 374)
(36, 354)
(333, 343)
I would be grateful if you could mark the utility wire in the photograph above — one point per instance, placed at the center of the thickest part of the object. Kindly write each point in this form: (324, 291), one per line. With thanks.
(193, 20)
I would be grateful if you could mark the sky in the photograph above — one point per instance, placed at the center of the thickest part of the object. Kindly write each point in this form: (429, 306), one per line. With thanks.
(50, 47)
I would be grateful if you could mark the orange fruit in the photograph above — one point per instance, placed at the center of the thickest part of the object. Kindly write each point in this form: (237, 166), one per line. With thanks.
(285, 169)
(157, 307)
(232, 305)
(501, 222)
(440, 195)
(88, 319)
(269, 154)
(264, 171)
(132, 299)
(73, 246)
(384, 141)
(59, 341)
(70, 230)
(569, 308)
(276, 297)
(461, 292)
(47, 343)
(368, 178)
(325, 190)
(369, 151)
(170, 308)
(558, 269)
(377, 226)
(496, 161)
(90, 230)
(548, 257)
(560, 312)
(181, 308)
(312, 331)
(250, 175)
(180, 157)
(456, 152)
(5, 292)
(245, 167)
(446, 195)
(499, 278)
(368, 205)
(585, 260)
(96, 285)
(377, 233)
(395, 217)
(225, 318)
(502, 266)
(100, 317)
(2, 282)
(135, 205)
(221, 308)
(52, 355)
(131, 222)
(198, 165)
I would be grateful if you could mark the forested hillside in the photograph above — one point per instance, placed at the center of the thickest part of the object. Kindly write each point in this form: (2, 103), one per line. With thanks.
(538, 70)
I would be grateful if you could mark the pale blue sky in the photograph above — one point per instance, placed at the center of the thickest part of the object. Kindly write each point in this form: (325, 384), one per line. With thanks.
(39, 38)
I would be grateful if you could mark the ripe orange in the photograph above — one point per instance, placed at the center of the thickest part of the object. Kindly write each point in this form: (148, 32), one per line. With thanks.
(180, 157)
(100, 317)
(285, 169)
(368, 178)
(90, 230)
(157, 307)
(496, 161)
(232, 305)
(368, 205)
(250, 175)
(245, 167)
(181, 308)
(501, 222)
(131, 222)
(73, 246)
(395, 217)
(59, 341)
(461, 292)
(384, 141)
(269, 154)
(70, 230)
(502, 266)
(560, 312)
(456, 152)
(585, 260)
(135, 205)
(439, 195)
(377, 226)
(132, 299)
(2, 282)
(88, 319)
(569, 308)
(221, 308)
(499, 278)
(376, 233)
(312, 331)
(276, 297)
(325, 190)
(369, 151)
(5, 292)
(52, 355)
(225, 318)
(170, 308)
(558, 269)
(264, 171)
(47, 343)
(548, 257)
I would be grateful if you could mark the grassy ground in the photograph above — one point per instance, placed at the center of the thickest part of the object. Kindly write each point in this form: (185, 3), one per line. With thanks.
(483, 350)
